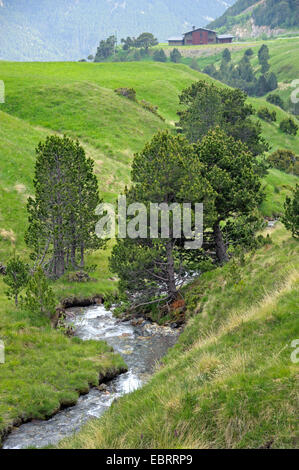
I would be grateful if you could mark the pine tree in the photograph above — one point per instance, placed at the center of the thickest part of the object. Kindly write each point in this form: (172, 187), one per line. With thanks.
(16, 278)
(160, 56)
(291, 216)
(175, 56)
(39, 298)
(226, 55)
(207, 106)
(61, 216)
(232, 172)
(166, 171)
(263, 55)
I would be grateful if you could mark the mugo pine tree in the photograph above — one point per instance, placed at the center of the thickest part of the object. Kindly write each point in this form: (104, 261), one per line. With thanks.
(62, 215)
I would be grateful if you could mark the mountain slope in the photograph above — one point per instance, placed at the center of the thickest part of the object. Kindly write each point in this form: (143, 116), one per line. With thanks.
(70, 30)
(230, 381)
(255, 17)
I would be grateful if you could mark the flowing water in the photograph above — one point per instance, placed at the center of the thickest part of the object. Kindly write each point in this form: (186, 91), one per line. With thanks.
(141, 347)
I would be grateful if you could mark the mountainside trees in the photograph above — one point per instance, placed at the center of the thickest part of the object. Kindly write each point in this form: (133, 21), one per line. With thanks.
(232, 173)
(207, 106)
(62, 215)
(106, 49)
(242, 75)
(166, 172)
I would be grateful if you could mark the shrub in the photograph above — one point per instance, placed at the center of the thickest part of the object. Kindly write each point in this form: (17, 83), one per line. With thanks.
(283, 160)
(288, 126)
(249, 52)
(129, 93)
(160, 56)
(16, 278)
(291, 216)
(275, 99)
(151, 108)
(39, 297)
(175, 56)
(267, 115)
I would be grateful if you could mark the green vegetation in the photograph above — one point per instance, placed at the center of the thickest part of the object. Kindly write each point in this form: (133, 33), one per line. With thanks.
(44, 369)
(62, 215)
(272, 13)
(16, 278)
(79, 100)
(229, 382)
(284, 160)
(291, 216)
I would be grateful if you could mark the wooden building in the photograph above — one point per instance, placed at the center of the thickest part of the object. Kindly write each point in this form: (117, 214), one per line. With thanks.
(199, 36)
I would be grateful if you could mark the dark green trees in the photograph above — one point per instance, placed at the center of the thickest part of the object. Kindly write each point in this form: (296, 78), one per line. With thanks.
(62, 215)
(291, 216)
(159, 56)
(232, 172)
(39, 298)
(16, 278)
(106, 49)
(145, 41)
(264, 56)
(175, 56)
(289, 126)
(167, 171)
(226, 55)
(207, 106)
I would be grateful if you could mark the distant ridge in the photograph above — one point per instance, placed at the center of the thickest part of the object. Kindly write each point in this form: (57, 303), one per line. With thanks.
(255, 17)
(72, 29)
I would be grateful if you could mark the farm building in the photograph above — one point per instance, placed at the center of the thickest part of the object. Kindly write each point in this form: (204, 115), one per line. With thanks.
(199, 36)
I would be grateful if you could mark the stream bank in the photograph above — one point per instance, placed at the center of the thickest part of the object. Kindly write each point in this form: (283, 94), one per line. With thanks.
(141, 346)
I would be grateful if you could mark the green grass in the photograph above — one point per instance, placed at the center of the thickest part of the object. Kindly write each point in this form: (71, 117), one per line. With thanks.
(43, 368)
(283, 59)
(78, 99)
(229, 382)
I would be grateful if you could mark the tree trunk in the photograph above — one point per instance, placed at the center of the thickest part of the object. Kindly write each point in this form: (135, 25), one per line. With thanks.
(82, 255)
(221, 252)
(16, 300)
(172, 291)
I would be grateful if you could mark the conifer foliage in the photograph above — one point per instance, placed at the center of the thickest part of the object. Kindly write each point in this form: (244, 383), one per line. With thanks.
(62, 215)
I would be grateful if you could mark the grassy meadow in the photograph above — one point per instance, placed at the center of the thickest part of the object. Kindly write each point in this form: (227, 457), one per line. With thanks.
(229, 382)
(43, 367)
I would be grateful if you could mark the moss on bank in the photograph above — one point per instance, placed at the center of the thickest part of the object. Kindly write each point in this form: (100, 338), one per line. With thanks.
(44, 369)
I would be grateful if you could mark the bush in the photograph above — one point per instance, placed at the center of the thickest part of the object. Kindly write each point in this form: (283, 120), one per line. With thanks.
(151, 108)
(291, 216)
(129, 93)
(16, 278)
(194, 65)
(159, 56)
(175, 56)
(288, 126)
(275, 99)
(39, 297)
(283, 160)
(266, 115)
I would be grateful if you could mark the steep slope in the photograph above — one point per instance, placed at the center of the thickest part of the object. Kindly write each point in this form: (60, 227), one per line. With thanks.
(230, 381)
(252, 18)
(68, 30)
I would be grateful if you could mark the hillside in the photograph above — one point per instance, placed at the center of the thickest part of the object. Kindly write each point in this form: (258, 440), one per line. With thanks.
(253, 18)
(230, 381)
(68, 30)
(283, 60)
(79, 100)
